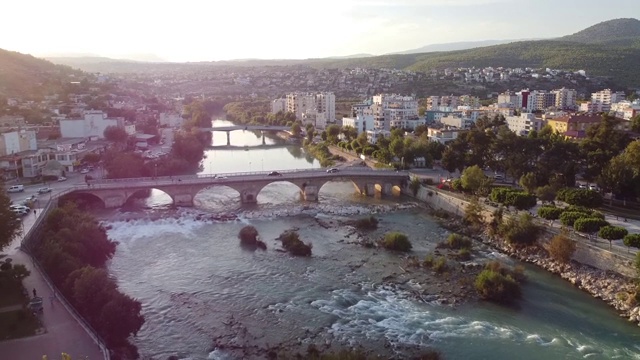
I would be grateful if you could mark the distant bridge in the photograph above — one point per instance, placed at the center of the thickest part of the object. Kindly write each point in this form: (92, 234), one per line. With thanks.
(230, 128)
(182, 189)
(248, 147)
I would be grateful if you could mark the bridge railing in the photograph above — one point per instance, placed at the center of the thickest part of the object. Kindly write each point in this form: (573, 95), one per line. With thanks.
(292, 173)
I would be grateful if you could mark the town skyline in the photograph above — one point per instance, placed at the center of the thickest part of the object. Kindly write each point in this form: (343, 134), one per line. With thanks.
(282, 29)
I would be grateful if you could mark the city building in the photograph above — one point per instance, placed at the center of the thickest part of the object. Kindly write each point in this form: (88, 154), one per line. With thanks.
(278, 105)
(302, 103)
(565, 98)
(17, 141)
(393, 108)
(93, 124)
(601, 101)
(374, 135)
(574, 126)
(12, 121)
(361, 123)
(523, 124)
(442, 135)
(455, 121)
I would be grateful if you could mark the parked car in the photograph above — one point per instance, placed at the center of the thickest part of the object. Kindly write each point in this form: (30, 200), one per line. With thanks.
(21, 212)
(18, 207)
(594, 187)
(84, 171)
(62, 178)
(44, 190)
(274, 173)
(582, 186)
(15, 188)
(498, 177)
(333, 170)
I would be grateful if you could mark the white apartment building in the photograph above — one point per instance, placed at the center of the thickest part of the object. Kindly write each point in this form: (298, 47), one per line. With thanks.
(17, 141)
(442, 136)
(374, 135)
(315, 118)
(524, 123)
(626, 109)
(565, 98)
(508, 98)
(360, 123)
(278, 105)
(301, 103)
(453, 121)
(93, 123)
(393, 108)
(603, 99)
(171, 119)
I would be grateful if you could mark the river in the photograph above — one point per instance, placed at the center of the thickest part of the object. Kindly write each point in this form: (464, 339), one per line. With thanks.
(200, 289)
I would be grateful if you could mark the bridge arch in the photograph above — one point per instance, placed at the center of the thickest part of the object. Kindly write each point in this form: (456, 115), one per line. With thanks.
(295, 190)
(156, 195)
(216, 194)
(82, 199)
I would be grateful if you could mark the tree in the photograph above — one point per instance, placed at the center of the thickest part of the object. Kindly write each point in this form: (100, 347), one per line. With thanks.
(349, 133)
(546, 193)
(296, 130)
(528, 182)
(611, 233)
(91, 158)
(589, 225)
(116, 134)
(561, 248)
(568, 218)
(10, 223)
(473, 178)
(632, 240)
(332, 133)
(519, 231)
(124, 165)
(549, 212)
(474, 213)
(498, 283)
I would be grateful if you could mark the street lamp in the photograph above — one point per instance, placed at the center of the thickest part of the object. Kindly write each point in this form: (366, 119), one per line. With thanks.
(249, 166)
(156, 170)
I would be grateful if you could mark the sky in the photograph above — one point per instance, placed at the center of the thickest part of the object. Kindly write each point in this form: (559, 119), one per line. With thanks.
(208, 30)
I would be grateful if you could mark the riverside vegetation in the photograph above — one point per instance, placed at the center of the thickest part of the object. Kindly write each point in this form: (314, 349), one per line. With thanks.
(73, 249)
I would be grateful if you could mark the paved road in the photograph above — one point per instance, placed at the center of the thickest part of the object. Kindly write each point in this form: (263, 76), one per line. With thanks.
(63, 333)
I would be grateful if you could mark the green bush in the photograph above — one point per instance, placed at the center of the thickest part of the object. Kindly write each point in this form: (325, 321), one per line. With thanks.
(368, 223)
(513, 197)
(580, 197)
(519, 231)
(494, 286)
(439, 265)
(396, 241)
(550, 212)
(292, 243)
(589, 225)
(464, 255)
(457, 241)
(632, 240)
(568, 218)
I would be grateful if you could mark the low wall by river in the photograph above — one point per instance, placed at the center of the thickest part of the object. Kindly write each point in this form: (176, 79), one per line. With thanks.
(586, 253)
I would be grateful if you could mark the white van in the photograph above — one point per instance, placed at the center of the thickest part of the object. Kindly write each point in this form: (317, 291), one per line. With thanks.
(15, 188)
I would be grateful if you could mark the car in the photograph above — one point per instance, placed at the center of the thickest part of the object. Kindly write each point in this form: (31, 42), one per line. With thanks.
(84, 171)
(18, 207)
(498, 177)
(90, 167)
(594, 187)
(21, 212)
(62, 178)
(15, 188)
(332, 170)
(44, 190)
(582, 186)
(274, 173)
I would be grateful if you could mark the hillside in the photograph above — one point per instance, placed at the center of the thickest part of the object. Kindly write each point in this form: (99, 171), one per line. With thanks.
(25, 75)
(616, 31)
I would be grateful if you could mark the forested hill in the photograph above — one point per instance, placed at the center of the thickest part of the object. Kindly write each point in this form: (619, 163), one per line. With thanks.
(611, 31)
(27, 76)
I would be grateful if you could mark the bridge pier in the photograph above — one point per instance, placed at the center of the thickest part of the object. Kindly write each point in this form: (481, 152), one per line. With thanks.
(249, 196)
(228, 137)
(263, 139)
(185, 200)
(310, 193)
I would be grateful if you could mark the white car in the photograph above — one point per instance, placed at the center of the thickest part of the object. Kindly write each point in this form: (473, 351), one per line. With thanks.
(18, 207)
(332, 170)
(21, 212)
(594, 187)
(84, 171)
(62, 178)
(44, 190)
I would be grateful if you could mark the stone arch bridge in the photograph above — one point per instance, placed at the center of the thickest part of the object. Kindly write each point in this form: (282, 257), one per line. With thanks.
(183, 189)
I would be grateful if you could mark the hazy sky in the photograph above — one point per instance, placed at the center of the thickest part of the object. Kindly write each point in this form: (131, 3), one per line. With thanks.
(197, 30)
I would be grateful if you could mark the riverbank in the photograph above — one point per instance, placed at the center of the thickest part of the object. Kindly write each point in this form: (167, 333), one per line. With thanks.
(614, 289)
